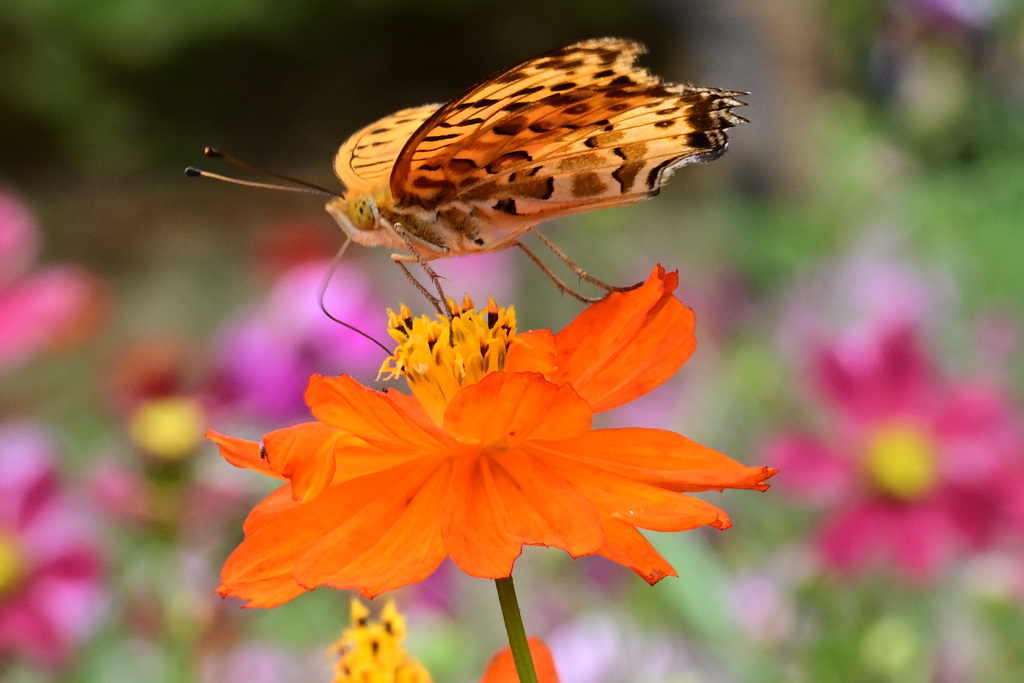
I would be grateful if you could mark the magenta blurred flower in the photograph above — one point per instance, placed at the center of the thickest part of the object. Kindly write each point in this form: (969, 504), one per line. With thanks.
(916, 468)
(50, 567)
(266, 355)
(44, 307)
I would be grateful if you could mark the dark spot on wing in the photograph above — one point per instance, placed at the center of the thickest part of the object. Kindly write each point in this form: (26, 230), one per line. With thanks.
(461, 166)
(507, 159)
(438, 138)
(527, 91)
(699, 140)
(475, 121)
(655, 175)
(587, 184)
(507, 205)
(626, 174)
(512, 126)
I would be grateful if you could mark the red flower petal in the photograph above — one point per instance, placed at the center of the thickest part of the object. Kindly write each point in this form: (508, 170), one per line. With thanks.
(625, 345)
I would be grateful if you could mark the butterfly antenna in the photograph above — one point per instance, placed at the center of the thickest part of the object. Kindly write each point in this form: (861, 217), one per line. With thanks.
(303, 186)
(323, 292)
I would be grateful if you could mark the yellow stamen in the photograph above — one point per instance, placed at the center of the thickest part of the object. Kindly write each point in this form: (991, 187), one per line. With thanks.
(12, 564)
(901, 461)
(437, 365)
(371, 652)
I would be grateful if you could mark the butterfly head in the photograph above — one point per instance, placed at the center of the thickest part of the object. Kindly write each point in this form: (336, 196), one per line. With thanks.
(358, 216)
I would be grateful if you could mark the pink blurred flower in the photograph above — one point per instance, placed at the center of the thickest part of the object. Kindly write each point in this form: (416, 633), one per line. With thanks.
(265, 355)
(263, 662)
(605, 648)
(873, 287)
(916, 468)
(485, 275)
(43, 307)
(50, 567)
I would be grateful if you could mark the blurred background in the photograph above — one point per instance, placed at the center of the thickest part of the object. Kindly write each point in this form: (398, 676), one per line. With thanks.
(854, 262)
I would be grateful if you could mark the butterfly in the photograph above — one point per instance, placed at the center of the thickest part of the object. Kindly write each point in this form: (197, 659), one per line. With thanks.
(574, 129)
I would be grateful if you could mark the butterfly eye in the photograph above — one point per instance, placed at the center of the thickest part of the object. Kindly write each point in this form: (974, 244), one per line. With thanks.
(362, 211)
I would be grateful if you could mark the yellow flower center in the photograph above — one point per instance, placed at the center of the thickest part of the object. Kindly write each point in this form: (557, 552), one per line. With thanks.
(901, 461)
(371, 652)
(438, 358)
(12, 564)
(169, 428)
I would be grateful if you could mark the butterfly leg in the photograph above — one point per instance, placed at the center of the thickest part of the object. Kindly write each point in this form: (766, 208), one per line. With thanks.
(554, 278)
(580, 273)
(439, 302)
(434, 301)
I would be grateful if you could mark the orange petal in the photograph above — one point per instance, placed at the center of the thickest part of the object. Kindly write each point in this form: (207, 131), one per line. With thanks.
(305, 455)
(390, 543)
(531, 352)
(626, 344)
(636, 502)
(663, 458)
(627, 546)
(500, 501)
(502, 668)
(473, 523)
(274, 547)
(413, 409)
(370, 415)
(274, 505)
(266, 593)
(508, 409)
(242, 453)
(543, 508)
(275, 542)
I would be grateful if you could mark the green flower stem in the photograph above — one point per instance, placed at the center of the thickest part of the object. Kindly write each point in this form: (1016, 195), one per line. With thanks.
(515, 630)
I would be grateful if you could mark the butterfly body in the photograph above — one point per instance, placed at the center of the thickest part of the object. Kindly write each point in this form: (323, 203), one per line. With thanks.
(577, 128)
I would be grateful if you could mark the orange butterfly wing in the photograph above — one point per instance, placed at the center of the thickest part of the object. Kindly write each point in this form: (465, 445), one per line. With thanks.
(576, 128)
(367, 158)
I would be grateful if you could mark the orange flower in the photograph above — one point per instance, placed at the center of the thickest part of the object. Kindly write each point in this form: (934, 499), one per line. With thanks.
(493, 450)
(502, 668)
